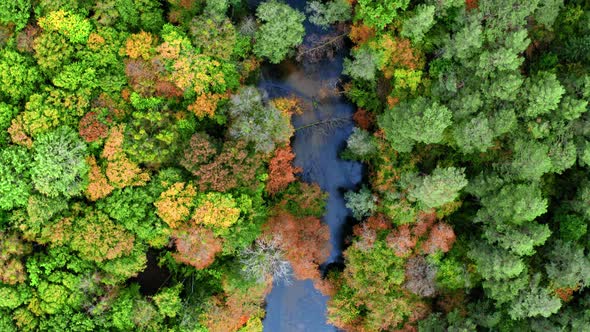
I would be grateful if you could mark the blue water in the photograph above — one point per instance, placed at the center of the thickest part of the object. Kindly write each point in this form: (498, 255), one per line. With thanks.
(298, 306)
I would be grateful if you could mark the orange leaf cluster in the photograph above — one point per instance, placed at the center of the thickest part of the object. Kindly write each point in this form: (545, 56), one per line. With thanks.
(280, 170)
(91, 128)
(95, 41)
(305, 242)
(216, 215)
(360, 33)
(12, 248)
(288, 105)
(364, 119)
(471, 4)
(98, 186)
(231, 168)
(405, 237)
(398, 53)
(139, 45)
(206, 104)
(196, 246)
(120, 170)
(441, 238)
(174, 204)
(18, 133)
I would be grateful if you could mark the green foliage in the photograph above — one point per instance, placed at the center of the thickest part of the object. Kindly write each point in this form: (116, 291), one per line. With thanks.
(418, 25)
(438, 188)
(15, 177)
(59, 166)
(18, 75)
(253, 121)
(543, 92)
(15, 11)
(360, 144)
(325, 14)
(534, 301)
(168, 301)
(363, 66)
(567, 265)
(420, 120)
(376, 13)
(361, 203)
(71, 25)
(280, 31)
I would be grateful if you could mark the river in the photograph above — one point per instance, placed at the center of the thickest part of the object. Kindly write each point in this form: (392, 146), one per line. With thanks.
(298, 306)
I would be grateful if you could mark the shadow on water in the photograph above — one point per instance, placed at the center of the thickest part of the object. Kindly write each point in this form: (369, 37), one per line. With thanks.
(321, 135)
(153, 277)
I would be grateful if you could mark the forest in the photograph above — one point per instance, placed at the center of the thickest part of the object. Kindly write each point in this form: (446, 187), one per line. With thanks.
(147, 182)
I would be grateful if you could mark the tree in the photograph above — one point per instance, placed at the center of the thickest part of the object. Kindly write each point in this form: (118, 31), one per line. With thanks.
(438, 188)
(59, 166)
(168, 301)
(363, 66)
(216, 211)
(567, 266)
(360, 144)
(418, 25)
(265, 260)
(72, 26)
(514, 203)
(534, 301)
(325, 14)
(174, 205)
(496, 263)
(543, 93)
(18, 75)
(362, 203)
(531, 159)
(304, 242)
(420, 120)
(377, 14)
(280, 170)
(252, 121)
(196, 246)
(12, 250)
(475, 135)
(15, 177)
(281, 29)
(16, 12)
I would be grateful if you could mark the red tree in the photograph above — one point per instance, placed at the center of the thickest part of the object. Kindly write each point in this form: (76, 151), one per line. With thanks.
(197, 246)
(281, 170)
(441, 238)
(305, 242)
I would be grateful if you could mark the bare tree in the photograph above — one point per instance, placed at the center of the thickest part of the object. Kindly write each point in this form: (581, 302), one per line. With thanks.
(420, 277)
(265, 259)
(322, 46)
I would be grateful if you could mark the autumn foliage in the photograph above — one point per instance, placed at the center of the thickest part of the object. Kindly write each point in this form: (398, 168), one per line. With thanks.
(91, 128)
(304, 240)
(98, 186)
(280, 170)
(196, 246)
(120, 170)
(219, 171)
(174, 205)
(12, 248)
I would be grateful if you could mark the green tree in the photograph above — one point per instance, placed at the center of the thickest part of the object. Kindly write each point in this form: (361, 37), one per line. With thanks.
(475, 135)
(15, 177)
(534, 300)
(438, 188)
(363, 66)
(543, 93)
(567, 265)
(325, 14)
(280, 31)
(419, 23)
(420, 120)
(253, 121)
(15, 11)
(59, 166)
(531, 159)
(168, 301)
(18, 75)
(378, 14)
(362, 203)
